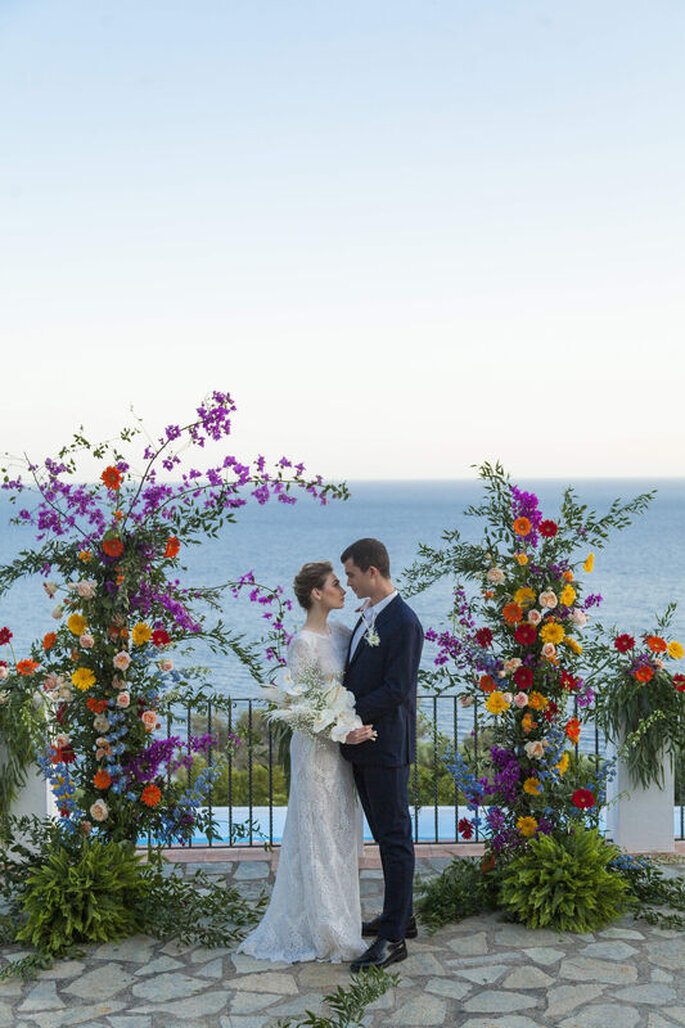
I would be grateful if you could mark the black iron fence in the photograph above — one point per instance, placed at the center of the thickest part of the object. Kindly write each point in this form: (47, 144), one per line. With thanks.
(248, 797)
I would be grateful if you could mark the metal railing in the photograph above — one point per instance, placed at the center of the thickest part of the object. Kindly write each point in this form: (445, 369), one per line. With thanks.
(249, 798)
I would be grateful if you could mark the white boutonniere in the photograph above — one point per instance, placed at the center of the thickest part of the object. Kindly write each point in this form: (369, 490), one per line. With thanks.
(371, 635)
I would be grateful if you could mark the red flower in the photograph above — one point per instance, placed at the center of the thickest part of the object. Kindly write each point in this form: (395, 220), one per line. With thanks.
(679, 682)
(111, 476)
(550, 711)
(113, 547)
(583, 799)
(160, 637)
(466, 828)
(172, 546)
(151, 795)
(525, 634)
(62, 755)
(484, 637)
(523, 677)
(573, 729)
(97, 706)
(624, 642)
(549, 529)
(49, 640)
(644, 673)
(568, 681)
(5, 636)
(656, 643)
(27, 667)
(487, 683)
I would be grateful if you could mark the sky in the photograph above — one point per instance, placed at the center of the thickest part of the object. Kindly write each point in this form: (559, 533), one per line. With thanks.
(407, 236)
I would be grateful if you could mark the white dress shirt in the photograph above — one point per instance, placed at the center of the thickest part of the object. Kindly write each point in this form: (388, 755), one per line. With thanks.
(368, 619)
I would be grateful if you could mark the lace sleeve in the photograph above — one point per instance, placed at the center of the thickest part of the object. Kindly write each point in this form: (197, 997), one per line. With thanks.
(300, 655)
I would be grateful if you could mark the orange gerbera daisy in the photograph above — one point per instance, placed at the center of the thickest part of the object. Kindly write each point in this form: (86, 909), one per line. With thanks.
(113, 547)
(27, 667)
(522, 526)
(172, 546)
(512, 613)
(151, 795)
(573, 729)
(487, 683)
(644, 673)
(49, 640)
(111, 476)
(102, 779)
(656, 643)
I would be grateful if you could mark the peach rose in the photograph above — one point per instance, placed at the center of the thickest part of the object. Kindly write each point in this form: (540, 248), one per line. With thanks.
(149, 719)
(118, 683)
(4, 672)
(50, 588)
(548, 599)
(534, 617)
(495, 575)
(121, 661)
(86, 590)
(100, 723)
(508, 697)
(99, 811)
(57, 612)
(61, 740)
(520, 700)
(166, 664)
(64, 692)
(123, 700)
(535, 750)
(512, 664)
(86, 641)
(549, 651)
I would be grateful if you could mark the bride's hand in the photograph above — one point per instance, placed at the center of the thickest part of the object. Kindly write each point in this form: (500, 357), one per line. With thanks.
(358, 735)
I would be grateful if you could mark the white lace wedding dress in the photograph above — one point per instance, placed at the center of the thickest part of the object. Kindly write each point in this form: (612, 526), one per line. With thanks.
(315, 911)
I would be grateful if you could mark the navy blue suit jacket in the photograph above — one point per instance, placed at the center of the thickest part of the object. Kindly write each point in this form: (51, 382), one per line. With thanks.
(383, 680)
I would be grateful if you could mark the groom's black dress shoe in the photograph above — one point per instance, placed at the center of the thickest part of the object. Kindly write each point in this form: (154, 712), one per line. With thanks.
(379, 954)
(370, 928)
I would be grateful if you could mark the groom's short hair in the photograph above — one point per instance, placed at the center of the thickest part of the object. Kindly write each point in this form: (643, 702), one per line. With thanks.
(366, 553)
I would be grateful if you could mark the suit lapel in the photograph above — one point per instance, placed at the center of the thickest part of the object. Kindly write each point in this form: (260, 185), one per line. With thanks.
(350, 655)
(384, 616)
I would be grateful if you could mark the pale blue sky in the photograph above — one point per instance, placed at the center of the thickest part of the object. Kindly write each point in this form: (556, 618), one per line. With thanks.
(407, 236)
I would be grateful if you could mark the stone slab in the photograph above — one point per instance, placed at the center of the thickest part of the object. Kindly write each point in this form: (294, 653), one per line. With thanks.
(493, 1001)
(602, 1016)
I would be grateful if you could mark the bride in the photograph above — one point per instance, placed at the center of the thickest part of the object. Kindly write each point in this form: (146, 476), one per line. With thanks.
(315, 911)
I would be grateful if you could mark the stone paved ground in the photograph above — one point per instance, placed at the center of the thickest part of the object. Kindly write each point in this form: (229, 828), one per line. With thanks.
(482, 973)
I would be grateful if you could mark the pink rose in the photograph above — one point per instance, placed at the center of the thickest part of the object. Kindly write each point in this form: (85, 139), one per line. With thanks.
(535, 750)
(166, 664)
(52, 682)
(86, 641)
(118, 683)
(65, 692)
(579, 617)
(123, 700)
(86, 590)
(507, 697)
(4, 672)
(520, 700)
(534, 617)
(466, 700)
(512, 664)
(61, 740)
(122, 661)
(549, 651)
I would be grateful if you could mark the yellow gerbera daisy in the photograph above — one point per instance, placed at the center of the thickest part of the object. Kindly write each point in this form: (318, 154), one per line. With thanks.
(141, 633)
(77, 624)
(496, 703)
(527, 826)
(533, 786)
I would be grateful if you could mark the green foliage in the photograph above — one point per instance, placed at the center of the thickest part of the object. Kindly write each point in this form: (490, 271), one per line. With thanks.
(645, 718)
(22, 726)
(348, 1005)
(194, 909)
(564, 882)
(652, 894)
(93, 899)
(461, 890)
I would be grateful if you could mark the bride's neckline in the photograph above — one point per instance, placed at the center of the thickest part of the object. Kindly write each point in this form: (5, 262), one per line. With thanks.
(324, 635)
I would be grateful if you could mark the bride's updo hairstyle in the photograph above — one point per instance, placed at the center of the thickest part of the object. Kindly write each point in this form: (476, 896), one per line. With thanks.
(310, 576)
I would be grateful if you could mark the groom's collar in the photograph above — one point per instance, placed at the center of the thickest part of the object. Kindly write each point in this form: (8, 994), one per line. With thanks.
(374, 609)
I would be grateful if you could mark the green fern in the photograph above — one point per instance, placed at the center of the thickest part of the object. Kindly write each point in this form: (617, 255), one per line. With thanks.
(564, 883)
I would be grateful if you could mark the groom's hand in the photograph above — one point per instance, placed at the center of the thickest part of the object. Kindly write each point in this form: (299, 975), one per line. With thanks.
(358, 735)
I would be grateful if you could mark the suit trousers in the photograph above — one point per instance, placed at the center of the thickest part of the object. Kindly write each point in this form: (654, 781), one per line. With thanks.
(384, 795)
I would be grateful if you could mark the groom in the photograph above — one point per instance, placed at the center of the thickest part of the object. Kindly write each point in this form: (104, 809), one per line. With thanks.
(381, 670)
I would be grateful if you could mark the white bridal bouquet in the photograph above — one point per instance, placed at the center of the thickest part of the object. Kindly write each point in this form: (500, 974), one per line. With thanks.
(314, 703)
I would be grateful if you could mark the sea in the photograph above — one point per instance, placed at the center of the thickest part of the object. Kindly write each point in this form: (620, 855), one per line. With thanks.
(638, 573)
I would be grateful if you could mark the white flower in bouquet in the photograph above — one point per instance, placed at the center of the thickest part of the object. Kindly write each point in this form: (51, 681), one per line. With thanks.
(313, 703)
